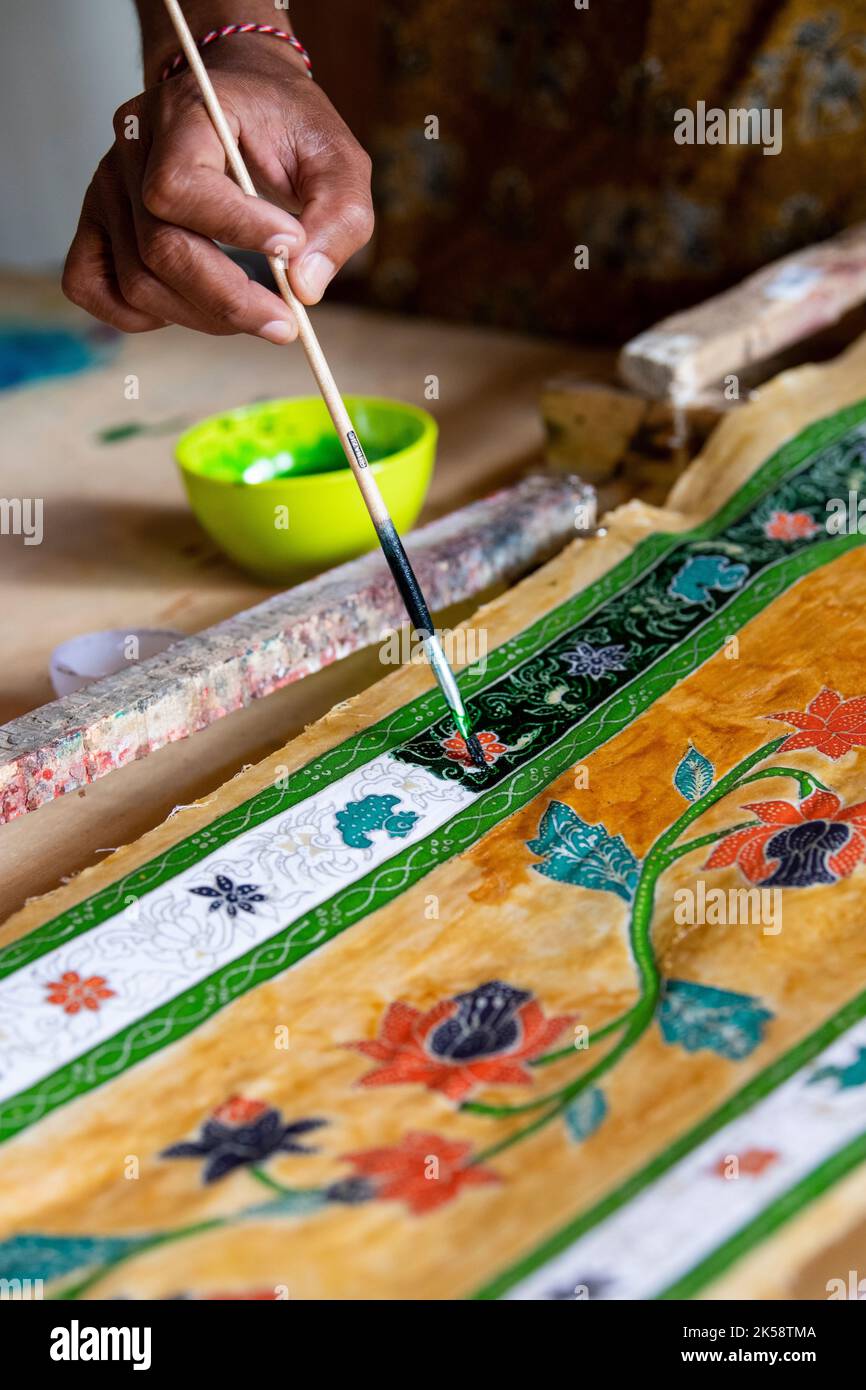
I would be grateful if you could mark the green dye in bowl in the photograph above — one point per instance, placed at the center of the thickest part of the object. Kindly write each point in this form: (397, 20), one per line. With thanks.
(271, 485)
(325, 456)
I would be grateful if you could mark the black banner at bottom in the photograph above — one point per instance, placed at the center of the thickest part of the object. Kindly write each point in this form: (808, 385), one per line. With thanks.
(227, 1338)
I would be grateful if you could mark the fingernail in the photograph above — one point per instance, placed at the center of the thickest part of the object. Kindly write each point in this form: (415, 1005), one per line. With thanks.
(315, 273)
(283, 244)
(278, 331)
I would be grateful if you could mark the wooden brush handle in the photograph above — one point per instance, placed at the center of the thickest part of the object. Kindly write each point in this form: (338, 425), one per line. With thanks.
(392, 546)
(355, 455)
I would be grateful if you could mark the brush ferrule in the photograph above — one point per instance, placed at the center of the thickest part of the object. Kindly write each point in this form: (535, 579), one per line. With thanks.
(443, 673)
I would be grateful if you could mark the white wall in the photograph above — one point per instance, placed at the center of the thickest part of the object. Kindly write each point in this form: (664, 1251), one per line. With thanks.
(65, 66)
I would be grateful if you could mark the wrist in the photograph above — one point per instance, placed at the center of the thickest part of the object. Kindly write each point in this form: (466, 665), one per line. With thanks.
(254, 55)
(250, 50)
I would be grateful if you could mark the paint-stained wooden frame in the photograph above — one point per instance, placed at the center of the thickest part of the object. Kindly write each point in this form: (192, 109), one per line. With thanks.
(76, 740)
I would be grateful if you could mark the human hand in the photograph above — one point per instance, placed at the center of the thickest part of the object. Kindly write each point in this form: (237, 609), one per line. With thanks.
(144, 255)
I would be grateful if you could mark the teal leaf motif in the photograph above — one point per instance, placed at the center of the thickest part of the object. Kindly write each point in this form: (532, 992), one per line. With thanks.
(854, 1074)
(290, 1203)
(358, 818)
(701, 573)
(575, 852)
(51, 1257)
(701, 1017)
(694, 776)
(399, 825)
(585, 1113)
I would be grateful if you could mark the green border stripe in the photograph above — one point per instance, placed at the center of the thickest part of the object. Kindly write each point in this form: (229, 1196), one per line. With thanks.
(171, 1021)
(813, 1185)
(760, 1086)
(425, 709)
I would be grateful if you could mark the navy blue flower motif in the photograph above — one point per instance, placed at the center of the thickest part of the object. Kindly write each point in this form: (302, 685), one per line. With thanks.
(241, 1132)
(351, 1191)
(486, 1023)
(802, 852)
(234, 897)
(587, 660)
(586, 1286)
(483, 1037)
(815, 841)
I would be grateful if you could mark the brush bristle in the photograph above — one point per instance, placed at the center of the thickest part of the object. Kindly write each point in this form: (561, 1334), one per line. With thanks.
(476, 752)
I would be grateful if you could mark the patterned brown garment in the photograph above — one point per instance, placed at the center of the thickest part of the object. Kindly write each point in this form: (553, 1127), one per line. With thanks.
(556, 128)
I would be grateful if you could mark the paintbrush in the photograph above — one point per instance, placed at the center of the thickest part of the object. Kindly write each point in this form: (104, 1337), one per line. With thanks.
(392, 546)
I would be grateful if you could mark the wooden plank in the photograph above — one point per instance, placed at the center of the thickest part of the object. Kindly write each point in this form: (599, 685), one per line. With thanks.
(589, 425)
(74, 741)
(783, 302)
(595, 429)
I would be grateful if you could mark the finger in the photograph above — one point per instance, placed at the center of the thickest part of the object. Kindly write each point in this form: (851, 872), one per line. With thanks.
(142, 290)
(218, 297)
(186, 184)
(230, 308)
(89, 279)
(334, 186)
(169, 269)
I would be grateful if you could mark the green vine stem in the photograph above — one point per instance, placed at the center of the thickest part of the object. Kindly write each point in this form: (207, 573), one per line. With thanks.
(615, 1024)
(806, 781)
(164, 1238)
(660, 856)
(182, 1233)
(267, 1181)
(593, 1037)
(634, 1021)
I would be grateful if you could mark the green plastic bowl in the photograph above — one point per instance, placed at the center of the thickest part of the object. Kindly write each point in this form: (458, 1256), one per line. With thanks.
(270, 484)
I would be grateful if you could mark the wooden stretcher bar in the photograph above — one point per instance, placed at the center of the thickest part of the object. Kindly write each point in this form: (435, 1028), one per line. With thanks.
(73, 741)
(780, 304)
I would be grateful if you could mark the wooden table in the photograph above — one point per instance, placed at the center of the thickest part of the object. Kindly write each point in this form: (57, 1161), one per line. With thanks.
(122, 549)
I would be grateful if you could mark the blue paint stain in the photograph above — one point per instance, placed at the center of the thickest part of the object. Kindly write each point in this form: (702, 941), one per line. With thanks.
(30, 354)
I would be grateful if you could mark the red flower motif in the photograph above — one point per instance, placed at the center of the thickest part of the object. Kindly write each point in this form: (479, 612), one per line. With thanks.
(832, 725)
(423, 1170)
(746, 847)
(455, 748)
(237, 1110)
(480, 1038)
(74, 994)
(753, 1162)
(790, 526)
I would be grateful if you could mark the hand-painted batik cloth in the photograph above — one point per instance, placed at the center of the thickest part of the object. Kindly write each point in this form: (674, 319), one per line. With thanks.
(590, 1022)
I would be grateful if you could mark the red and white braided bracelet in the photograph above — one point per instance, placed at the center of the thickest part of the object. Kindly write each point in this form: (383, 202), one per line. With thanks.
(178, 62)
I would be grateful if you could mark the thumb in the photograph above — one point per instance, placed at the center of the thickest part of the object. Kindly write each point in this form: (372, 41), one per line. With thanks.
(334, 187)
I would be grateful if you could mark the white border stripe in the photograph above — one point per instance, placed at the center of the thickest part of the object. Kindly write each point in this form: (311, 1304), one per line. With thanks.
(170, 938)
(687, 1213)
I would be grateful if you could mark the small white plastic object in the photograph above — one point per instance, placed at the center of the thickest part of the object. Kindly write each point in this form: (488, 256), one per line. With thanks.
(81, 660)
